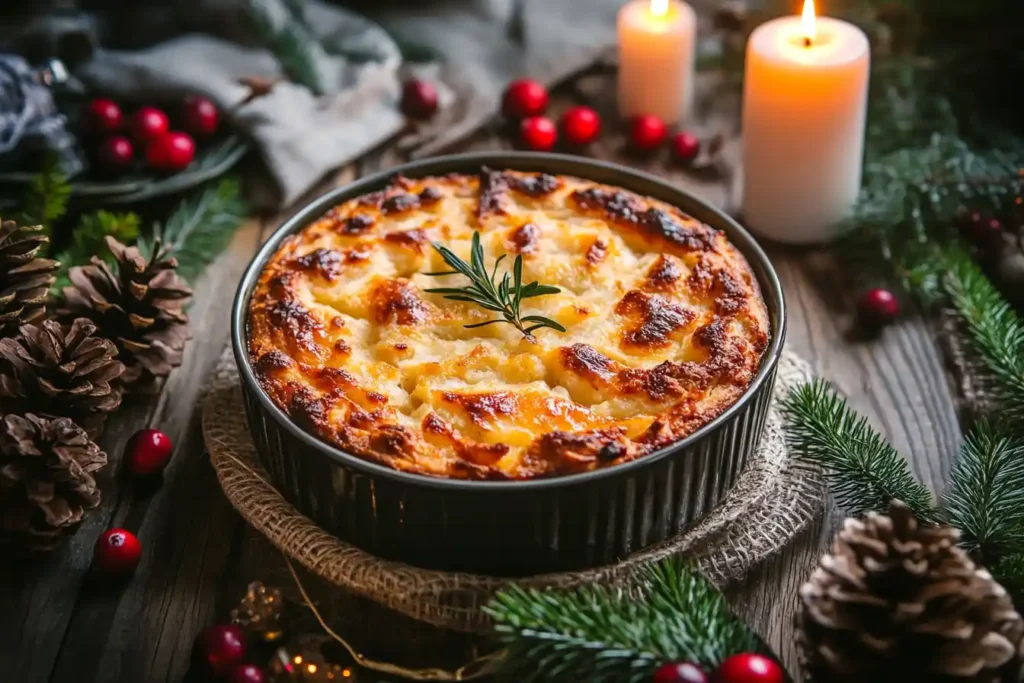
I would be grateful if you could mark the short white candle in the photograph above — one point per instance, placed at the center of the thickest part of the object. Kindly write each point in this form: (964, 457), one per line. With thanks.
(804, 111)
(656, 56)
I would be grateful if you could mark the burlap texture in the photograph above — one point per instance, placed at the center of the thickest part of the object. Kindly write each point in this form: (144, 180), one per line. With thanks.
(774, 499)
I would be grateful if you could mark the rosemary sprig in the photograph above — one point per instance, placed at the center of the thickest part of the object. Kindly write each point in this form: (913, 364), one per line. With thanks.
(503, 296)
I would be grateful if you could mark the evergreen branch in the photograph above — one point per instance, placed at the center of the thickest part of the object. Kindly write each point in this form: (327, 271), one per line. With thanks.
(995, 331)
(1009, 572)
(604, 635)
(47, 198)
(503, 296)
(88, 241)
(866, 472)
(200, 228)
(290, 41)
(985, 500)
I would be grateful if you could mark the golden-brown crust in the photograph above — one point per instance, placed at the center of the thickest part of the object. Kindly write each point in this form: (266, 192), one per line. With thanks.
(665, 328)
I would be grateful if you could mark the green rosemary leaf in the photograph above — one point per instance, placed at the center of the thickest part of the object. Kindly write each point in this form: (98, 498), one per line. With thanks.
(534, 289)
(502, 296)
(484, 324)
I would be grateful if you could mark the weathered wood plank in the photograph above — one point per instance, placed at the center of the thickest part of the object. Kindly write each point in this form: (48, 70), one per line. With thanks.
(896, 380)
(142, 630)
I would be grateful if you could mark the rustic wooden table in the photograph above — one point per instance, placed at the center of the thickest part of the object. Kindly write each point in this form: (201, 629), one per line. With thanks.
(58, 625)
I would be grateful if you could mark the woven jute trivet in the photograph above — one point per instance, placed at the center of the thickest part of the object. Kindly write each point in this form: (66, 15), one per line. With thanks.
(774, 499)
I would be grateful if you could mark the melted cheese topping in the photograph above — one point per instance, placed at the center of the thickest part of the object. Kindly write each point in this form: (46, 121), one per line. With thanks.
(665, 327)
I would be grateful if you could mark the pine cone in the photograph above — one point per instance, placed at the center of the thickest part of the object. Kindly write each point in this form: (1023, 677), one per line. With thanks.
(138, 304)
(896, 601)
(52, 370)
(25, 280)
(46, 481)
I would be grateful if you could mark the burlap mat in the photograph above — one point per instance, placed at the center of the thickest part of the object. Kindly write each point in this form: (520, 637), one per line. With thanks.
(774, 499)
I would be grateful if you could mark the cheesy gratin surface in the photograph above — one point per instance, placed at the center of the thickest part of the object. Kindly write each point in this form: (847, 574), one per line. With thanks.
(665, 327)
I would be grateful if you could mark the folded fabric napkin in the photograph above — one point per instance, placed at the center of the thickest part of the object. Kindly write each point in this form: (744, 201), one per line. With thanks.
(162, 50)
(300, 135)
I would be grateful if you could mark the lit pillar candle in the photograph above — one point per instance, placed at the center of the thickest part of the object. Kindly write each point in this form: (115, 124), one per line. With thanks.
(656, 55)
(804, 110)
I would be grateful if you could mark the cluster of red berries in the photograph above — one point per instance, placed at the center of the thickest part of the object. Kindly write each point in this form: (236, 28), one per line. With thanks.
(118, 139)
(742, 668)
(118, 551)
(526, 101)
(221, 650)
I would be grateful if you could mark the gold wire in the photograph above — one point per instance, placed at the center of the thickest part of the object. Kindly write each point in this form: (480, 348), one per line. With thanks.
(481, 666)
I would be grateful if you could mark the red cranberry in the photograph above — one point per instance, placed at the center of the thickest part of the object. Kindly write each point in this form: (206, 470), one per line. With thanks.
(538, 133)
(103, 117)
(117, 552)
(222, 647)
(419, 99)
(200, 117)
(680, 672)
(524, 98)
(148, 452)
(878, 307)
(148, 124)
(116, 153)
(247, 673)
(749, 668)
(171, 152)
(581, 125)
(685, 146)
(647, 132)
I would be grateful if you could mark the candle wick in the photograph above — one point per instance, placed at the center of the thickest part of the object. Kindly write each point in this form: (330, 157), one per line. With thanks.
(807, 41)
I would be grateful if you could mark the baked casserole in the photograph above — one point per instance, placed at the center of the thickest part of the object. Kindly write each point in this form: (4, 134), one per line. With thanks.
(665, 327)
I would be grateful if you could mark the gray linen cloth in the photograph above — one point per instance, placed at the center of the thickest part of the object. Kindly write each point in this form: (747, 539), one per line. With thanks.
(206, 45)
(299, 135)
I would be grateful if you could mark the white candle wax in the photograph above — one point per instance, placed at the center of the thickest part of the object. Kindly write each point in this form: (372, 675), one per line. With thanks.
(656, 56)
(804, 111)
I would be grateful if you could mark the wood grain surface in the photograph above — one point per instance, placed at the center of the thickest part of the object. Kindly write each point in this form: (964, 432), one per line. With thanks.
(58, 624)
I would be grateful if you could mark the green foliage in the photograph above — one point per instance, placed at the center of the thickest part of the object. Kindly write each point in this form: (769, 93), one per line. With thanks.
(1009, 571)
(88, 241)
(484, 290)
(865, 471)
(601, 635)
(47, 197)
(995, 331)
(911, 201)
(200, 228)
(290, 41)
(986, 496)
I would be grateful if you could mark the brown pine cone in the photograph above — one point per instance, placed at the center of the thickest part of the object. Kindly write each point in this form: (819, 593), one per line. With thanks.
(139, 305)
(57, 371)
(897, 601)
(46, 481)
(25, 280)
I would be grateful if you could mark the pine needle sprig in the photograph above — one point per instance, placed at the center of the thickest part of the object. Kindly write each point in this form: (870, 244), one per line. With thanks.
(604, 635)
(1009, 572)
(88, 241)
(504, 296)
(200, 228)
(994, 330)
(47, 198)
(290, 41)
(985, 500)
(865, 471)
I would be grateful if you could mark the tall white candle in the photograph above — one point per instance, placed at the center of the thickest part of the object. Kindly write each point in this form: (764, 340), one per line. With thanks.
(656, 57)
(804, 111)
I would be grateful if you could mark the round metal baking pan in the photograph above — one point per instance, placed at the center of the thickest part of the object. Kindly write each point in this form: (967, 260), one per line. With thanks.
(512, 528)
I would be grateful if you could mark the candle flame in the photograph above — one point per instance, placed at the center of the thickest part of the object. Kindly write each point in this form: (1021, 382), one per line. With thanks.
(659, 8)
(808, 22)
